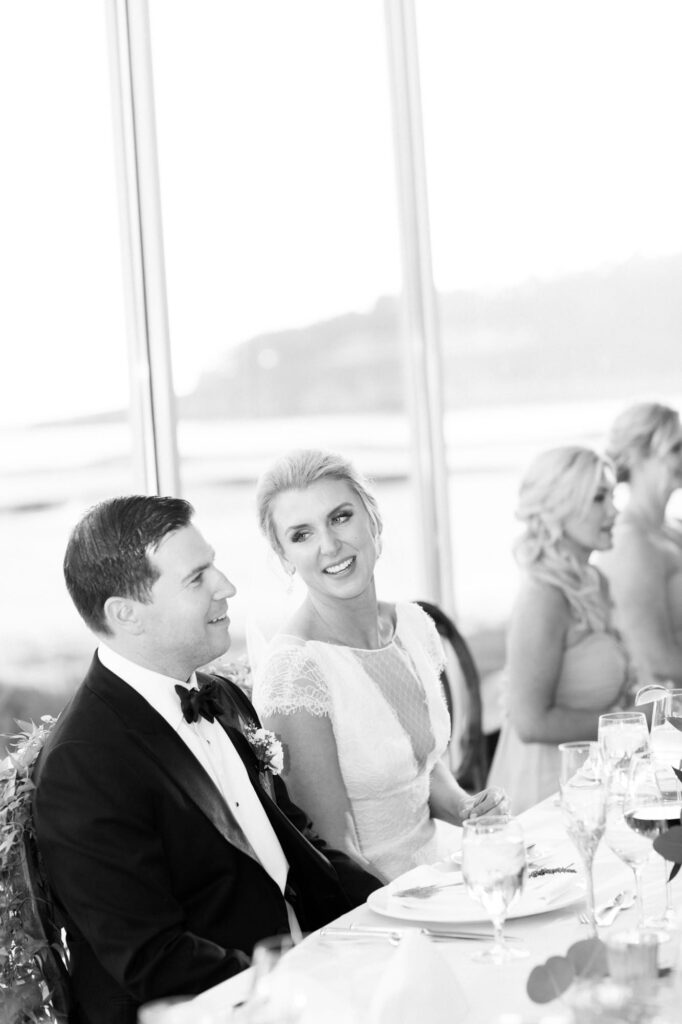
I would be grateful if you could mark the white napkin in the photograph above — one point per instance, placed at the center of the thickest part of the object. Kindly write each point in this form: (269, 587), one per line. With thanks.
(548, 889)
(417, 985)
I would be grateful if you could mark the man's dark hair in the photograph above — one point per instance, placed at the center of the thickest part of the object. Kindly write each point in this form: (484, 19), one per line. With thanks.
(107, 553)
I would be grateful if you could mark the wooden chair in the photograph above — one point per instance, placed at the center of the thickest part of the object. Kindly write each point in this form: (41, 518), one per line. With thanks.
(42, 921)
(462, 688)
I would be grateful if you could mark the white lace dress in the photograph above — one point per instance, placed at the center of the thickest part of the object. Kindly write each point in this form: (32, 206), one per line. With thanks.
(390, 723)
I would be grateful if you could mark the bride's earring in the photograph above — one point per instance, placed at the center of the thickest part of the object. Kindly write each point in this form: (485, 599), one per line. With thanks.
(290, 571)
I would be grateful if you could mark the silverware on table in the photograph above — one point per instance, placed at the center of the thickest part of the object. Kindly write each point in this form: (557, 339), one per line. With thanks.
(605, 914)
(395, 935)
(422, 892)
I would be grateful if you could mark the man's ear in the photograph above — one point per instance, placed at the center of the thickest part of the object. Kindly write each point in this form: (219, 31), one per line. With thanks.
(122, 615)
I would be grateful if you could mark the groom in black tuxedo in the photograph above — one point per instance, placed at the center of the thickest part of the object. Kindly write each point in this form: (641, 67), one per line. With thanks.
(169, 846)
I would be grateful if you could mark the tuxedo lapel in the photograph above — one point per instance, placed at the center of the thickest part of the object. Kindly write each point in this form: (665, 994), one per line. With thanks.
(286, 831)
(163, 745)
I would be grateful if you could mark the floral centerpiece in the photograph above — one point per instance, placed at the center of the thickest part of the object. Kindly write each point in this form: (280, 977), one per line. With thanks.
(24, 995)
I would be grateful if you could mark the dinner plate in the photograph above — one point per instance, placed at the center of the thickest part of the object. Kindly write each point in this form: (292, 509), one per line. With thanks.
(454, 906)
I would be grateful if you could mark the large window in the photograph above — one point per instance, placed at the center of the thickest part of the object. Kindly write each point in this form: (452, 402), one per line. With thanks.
(277, 181)
(64, 439)
(554, 167)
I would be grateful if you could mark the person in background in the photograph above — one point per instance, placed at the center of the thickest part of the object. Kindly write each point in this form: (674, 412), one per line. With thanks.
(644, 567)
(168, 839)
(352, 684)
(566, 665)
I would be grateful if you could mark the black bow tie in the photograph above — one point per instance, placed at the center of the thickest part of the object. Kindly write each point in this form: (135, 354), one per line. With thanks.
(201, 703)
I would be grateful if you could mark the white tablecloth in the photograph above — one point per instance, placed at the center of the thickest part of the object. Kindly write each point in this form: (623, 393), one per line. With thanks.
(341, 976)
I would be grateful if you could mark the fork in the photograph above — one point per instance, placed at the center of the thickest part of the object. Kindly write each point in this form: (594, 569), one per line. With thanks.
(422, 892)
(607, 913)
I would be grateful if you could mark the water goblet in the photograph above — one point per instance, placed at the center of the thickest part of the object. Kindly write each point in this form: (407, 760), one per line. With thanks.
(494, 870)
(583, 796)
(622, 734)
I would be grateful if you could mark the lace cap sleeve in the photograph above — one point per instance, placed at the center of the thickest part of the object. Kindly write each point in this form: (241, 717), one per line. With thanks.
(290, 681)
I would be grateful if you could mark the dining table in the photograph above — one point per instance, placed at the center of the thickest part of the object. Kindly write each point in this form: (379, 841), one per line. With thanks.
(340, 971)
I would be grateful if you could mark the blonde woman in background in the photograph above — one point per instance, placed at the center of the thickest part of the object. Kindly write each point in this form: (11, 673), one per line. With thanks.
(645, 566)
(565, 663)
(352, 684)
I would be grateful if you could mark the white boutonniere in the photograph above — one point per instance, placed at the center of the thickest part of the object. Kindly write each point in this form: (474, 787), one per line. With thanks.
(267, 748)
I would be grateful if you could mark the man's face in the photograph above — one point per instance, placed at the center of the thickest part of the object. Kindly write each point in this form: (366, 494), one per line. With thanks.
(185, 624)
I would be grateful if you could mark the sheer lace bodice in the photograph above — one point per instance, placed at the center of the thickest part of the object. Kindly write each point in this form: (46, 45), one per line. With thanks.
(390, 724)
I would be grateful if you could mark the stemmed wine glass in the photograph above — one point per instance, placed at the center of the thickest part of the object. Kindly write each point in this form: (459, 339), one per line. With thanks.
(652, 805)
(583, 805)
(494, 870)
(633, 847)
(622, 734)
(666, 738)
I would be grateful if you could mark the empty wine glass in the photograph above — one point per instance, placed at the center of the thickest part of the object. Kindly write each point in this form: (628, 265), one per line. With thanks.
(633, 847)
(622, 734)
(583, 796)
(666, 739)
(494, 870)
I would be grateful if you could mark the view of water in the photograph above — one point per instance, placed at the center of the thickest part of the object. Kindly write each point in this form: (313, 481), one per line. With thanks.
(51, 474)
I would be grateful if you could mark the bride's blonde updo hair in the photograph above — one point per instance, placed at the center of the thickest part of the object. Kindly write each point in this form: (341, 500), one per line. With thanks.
(639, 431)
(296, 471)
(560, 483)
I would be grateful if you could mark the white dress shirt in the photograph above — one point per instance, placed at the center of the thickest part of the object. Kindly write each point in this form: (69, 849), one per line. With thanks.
(214, 750)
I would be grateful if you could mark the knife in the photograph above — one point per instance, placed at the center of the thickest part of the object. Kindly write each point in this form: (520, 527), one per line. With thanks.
(396, 934)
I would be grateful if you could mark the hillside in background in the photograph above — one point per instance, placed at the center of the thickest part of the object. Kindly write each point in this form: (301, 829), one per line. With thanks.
(596, 334)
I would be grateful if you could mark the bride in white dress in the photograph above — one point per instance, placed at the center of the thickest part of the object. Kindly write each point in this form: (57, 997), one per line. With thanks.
(351, 685)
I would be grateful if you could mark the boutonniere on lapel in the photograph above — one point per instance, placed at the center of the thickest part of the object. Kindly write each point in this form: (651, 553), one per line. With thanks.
(267, 749)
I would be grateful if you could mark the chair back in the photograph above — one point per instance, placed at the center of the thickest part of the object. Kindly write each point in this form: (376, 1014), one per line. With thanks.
(462, 688)
(41, 918)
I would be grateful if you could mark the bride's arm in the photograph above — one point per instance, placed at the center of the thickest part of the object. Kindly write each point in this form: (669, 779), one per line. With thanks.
(313, 778)
(449, 802)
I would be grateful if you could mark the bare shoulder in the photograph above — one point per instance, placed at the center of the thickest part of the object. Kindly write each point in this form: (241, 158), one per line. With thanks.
(542, 601)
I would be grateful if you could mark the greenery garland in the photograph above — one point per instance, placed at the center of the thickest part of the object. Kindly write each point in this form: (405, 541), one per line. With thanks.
(24, 995)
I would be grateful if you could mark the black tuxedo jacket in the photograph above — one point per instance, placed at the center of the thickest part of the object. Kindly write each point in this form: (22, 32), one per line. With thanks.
(159, 888)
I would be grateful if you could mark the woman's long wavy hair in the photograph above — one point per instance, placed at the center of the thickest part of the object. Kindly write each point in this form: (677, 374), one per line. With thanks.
(559, 483)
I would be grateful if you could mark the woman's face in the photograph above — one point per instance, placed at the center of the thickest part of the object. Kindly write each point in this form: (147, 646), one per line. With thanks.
(326, 536)
(591, 530)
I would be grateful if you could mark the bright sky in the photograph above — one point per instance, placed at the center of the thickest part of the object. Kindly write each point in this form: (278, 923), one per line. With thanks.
(552, 144)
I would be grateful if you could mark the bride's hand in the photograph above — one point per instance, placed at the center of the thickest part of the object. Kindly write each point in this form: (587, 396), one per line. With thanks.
(488, 801)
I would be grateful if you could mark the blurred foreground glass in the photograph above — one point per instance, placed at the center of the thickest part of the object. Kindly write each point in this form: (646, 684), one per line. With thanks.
(494, 870)
(276, 996)
(622, 734)
(583, 806)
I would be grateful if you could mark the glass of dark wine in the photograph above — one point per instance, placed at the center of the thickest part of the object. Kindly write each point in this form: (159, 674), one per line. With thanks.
(649, 807)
